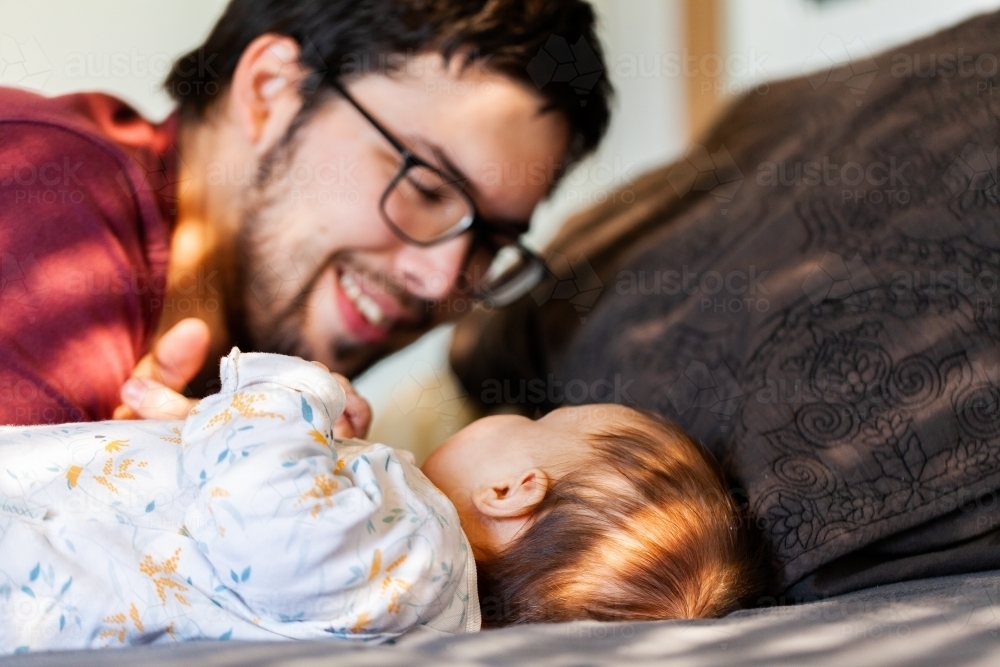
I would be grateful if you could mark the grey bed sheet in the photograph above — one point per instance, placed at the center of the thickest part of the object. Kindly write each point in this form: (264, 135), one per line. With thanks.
(943, 621)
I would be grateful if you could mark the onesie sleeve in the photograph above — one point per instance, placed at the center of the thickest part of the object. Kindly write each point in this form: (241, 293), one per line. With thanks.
(311, 543)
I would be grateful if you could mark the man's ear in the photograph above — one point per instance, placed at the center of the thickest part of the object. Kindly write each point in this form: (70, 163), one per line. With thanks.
(264, 96)
(516, 497)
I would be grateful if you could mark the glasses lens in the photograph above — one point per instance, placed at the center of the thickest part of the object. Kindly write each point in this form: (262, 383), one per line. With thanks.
(426, 206)
(512, 273)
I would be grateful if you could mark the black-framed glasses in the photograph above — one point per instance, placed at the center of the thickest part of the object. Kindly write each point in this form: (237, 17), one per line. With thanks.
(425, 206)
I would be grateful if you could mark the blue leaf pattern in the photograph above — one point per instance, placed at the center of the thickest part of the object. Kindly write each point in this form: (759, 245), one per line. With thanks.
(198, 503)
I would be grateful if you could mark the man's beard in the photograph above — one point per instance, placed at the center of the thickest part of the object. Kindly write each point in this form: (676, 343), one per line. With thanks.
(275, 270)
(275, 283)
(275, 275)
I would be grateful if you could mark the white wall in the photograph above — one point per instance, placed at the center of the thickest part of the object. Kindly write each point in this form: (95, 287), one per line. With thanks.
(124, 47)
(792, 37)
(649, 123)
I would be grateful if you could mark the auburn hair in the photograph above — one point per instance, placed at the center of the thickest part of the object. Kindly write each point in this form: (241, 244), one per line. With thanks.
(649, 531)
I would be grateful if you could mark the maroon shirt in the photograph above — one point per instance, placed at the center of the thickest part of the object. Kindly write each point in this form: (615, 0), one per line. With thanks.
(87, 197)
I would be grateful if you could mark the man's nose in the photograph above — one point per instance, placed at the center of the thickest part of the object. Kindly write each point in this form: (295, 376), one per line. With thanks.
(430, 273)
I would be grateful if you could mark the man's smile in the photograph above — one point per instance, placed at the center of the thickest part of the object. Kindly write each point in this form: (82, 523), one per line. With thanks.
(368, 310)
(367, 306)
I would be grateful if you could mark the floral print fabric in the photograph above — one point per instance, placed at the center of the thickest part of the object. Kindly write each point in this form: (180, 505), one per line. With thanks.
(248, 520)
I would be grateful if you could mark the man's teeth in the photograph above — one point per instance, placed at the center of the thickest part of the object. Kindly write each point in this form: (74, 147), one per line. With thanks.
(366, 305)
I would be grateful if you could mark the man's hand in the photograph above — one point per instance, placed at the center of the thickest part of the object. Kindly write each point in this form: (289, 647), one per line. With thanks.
(357, 415)
(153, 391)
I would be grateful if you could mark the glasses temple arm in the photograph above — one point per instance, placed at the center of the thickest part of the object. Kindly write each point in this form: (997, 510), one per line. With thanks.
(403, 150)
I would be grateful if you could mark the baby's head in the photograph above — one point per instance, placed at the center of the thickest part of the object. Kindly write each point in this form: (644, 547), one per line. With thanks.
(596, 512)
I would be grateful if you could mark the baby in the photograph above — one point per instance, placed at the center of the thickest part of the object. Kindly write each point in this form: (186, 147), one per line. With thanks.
(251, 520)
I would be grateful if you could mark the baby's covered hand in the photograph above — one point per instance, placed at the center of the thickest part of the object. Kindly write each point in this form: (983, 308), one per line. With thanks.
(357, 415)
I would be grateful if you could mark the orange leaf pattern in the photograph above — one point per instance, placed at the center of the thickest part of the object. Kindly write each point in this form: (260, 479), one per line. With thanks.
(201, 540)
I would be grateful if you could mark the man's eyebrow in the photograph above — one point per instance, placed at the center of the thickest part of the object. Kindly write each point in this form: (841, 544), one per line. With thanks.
(452, 169)
(521, 226)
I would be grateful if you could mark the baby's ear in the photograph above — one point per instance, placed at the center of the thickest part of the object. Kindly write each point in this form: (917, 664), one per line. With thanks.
(516, 497)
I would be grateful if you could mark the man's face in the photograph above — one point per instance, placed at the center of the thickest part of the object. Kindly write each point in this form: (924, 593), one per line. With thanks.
(322, 275)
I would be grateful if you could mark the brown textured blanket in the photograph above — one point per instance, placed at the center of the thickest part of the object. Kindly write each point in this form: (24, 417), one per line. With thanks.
(815, 296)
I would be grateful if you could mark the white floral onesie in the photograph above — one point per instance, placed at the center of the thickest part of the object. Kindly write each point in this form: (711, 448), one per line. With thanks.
(245, 521)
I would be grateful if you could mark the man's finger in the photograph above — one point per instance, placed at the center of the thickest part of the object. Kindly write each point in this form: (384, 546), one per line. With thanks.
(178, 356)
(151, 400)
(124, 413)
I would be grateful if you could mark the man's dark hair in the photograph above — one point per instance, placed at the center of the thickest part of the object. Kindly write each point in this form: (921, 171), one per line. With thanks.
(550, 44)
